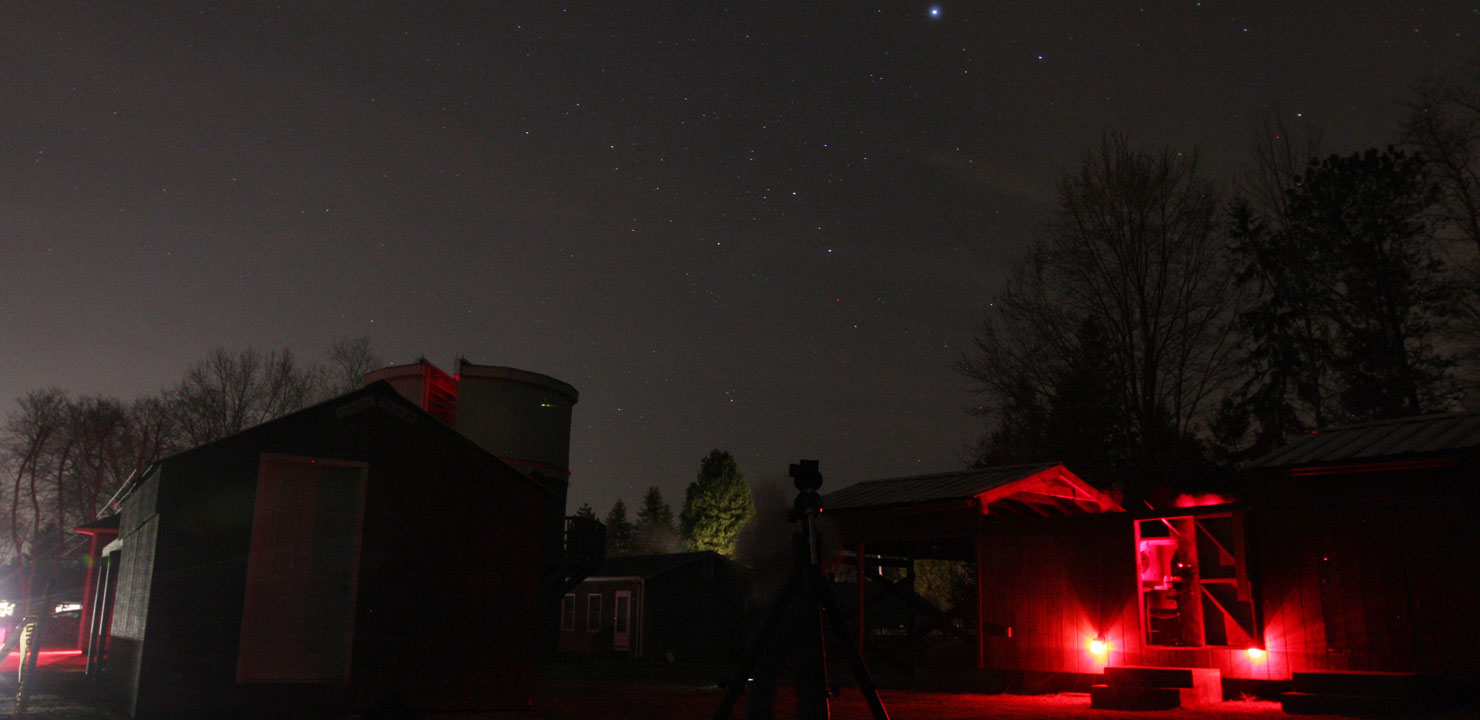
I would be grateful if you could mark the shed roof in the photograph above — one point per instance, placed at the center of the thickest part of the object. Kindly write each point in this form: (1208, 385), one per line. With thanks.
(650, 566)
(1050, 480)
(378, 395)
(1363, 442)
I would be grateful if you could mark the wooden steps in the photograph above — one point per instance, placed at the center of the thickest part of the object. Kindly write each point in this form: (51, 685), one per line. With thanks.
(1156, 688)
(1355, 693)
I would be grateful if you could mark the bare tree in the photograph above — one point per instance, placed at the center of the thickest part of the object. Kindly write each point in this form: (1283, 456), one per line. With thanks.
(229, 392)
(30, 431)
(1134, 252)
(67, 456)
(1282, 151)
(1443, 123)
(350, 359)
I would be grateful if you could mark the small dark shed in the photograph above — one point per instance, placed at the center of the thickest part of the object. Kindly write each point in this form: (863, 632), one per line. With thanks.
(320, 562)
(692, 606)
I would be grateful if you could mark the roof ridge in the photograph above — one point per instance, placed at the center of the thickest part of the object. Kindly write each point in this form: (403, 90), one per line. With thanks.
(967, 471)
(1395, 421)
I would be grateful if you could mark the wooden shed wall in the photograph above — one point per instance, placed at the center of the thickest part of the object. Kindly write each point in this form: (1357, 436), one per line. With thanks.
(696, 614)
(448, 574)
(1057, 583)
(1387, 586)
(1370, 586)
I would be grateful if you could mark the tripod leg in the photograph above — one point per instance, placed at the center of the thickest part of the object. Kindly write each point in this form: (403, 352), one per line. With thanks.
(763, 640)
(812, 687)
(855, 657)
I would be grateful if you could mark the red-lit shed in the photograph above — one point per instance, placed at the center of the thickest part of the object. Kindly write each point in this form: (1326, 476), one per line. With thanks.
(318, 563)
(1351, 551)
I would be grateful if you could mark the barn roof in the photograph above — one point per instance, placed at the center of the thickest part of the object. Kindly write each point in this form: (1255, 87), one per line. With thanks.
(1047, 480)
(1423, 435)
(649, 566)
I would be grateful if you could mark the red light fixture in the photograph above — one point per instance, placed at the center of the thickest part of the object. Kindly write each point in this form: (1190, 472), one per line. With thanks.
(1255, 654)
(1098, 646)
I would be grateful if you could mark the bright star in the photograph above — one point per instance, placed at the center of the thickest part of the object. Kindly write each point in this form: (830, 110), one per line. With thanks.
(935, 12)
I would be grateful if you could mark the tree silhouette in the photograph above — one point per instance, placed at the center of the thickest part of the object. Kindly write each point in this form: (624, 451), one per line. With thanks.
(655, 531)
(620, 532)
(1351, 293)
(1134, 256)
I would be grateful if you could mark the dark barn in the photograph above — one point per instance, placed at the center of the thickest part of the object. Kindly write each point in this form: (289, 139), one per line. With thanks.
(1349, 554)
(684, 606)
(324, 561)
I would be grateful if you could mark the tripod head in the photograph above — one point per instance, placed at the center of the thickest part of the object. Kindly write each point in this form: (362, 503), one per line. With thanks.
(805, 475)
(807, 479)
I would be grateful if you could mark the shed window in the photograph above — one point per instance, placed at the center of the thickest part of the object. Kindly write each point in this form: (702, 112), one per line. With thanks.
(1193, 582)
(593, 612)
(568, 613)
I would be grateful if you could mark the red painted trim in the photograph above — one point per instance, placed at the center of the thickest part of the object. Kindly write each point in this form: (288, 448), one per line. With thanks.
(1315, 470)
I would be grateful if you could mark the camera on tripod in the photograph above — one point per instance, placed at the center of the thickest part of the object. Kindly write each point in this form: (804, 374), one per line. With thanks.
(807, 478)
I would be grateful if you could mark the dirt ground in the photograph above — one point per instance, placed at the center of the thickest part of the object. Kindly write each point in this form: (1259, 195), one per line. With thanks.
(609, 691)
(574, 691)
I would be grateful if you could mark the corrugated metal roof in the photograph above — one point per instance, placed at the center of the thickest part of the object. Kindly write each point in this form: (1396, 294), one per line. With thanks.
(1421, 435)
(938, 487)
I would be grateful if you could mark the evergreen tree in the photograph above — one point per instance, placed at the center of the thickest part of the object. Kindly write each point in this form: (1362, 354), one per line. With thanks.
(1351, 293)
(620, 532)
(655, 529)
(716, 506)
(585, 511)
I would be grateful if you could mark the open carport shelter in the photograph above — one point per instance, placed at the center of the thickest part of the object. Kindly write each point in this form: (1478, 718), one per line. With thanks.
(975, 516)
(316, 564)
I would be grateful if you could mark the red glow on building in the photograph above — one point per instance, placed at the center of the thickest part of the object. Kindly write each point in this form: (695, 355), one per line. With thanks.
(1255, 654)
(1187, 500)
(1098, 647)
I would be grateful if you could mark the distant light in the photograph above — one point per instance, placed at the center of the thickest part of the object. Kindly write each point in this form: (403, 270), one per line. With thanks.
(1255, 654)
(547, 404)
(935, 12)
(1098, 647)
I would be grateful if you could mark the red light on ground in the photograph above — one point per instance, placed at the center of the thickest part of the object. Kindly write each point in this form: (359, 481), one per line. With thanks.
(1098, 647)
(1255, 654)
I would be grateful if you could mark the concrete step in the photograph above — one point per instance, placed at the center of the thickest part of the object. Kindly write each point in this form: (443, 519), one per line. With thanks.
(1362, 684)
(1302, 703)
(1110, 697)
(1203, 685)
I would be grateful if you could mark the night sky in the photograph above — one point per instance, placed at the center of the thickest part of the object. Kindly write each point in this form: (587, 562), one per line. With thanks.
(769, 228)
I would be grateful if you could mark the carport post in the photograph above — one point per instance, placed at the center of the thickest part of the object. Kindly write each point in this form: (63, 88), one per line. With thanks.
(862, 598)
(981, 597)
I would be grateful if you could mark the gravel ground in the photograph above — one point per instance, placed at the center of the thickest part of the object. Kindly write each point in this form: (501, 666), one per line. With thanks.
(610, 691)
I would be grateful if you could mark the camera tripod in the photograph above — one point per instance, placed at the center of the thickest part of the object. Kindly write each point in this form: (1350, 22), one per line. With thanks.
(809, 592)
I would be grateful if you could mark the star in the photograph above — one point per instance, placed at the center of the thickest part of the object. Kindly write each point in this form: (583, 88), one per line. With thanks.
(934, 12)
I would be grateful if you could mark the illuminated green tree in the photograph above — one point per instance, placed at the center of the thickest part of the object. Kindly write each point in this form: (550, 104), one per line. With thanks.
(716, 506)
